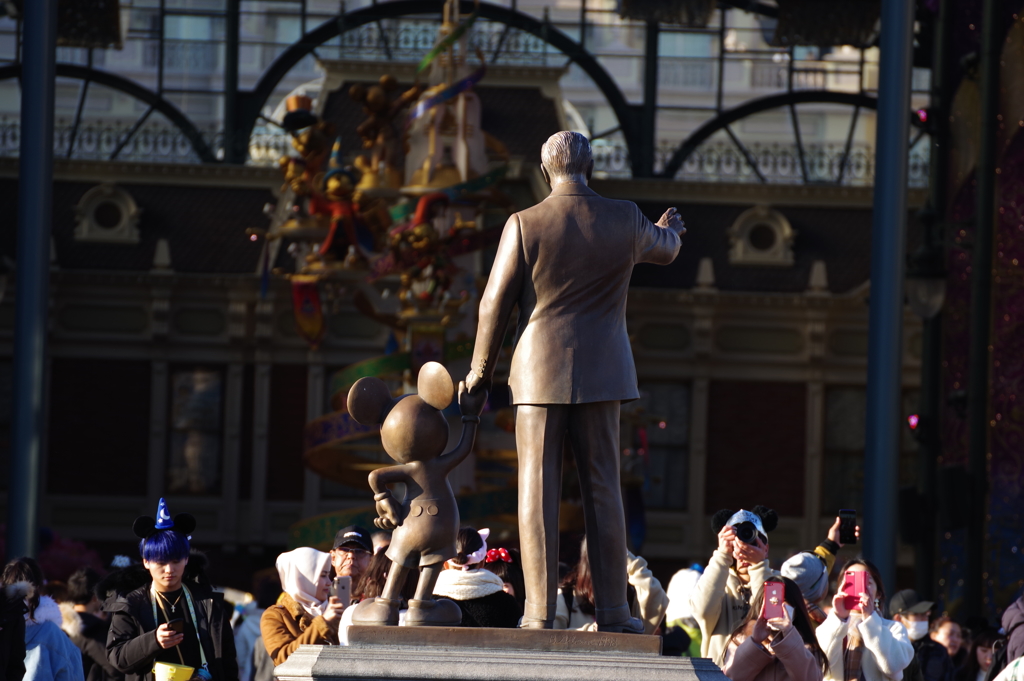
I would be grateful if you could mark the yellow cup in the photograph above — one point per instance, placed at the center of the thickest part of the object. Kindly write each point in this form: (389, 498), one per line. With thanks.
(165, 671)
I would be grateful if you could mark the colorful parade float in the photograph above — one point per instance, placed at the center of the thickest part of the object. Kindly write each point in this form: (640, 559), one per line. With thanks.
(391, 213)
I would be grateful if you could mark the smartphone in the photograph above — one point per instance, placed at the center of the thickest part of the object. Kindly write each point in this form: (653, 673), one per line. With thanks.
(774, 600)
(342, 589)
(177, 625)
(847, 526)
(854, 584)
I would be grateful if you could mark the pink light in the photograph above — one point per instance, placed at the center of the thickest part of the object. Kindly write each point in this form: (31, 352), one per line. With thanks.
(253, 237)
(912, 421)
(923, 115)
(662, 425)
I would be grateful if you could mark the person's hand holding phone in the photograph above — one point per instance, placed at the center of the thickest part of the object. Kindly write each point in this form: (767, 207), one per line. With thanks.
(167, 637)
(761, 631)
(835, 533)
(839, 605)
(865, 607)
(332, 612)
(781, 624)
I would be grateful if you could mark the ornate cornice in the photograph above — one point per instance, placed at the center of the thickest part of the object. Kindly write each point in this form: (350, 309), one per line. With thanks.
(133, 172)
(674, 191)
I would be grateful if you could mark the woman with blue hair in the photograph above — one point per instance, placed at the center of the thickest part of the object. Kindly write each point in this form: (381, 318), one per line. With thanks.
(166, 611)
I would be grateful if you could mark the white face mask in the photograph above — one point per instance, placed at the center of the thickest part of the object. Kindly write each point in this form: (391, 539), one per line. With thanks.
(916, 630)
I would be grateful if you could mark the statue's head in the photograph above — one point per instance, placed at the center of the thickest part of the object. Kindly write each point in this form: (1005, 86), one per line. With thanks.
(566, 157)
(412, 426)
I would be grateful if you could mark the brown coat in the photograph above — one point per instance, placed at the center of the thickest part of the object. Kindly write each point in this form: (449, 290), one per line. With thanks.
(567, 263)
(784, 659)
(286, 626)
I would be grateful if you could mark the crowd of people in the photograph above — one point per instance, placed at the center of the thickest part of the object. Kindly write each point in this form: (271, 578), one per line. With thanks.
(758, 623)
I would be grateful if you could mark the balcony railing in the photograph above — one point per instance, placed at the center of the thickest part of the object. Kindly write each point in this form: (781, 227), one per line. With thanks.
(714, 161)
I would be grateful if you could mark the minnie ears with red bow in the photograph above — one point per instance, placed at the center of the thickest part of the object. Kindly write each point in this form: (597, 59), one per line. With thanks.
(494, 555)
(145, 526)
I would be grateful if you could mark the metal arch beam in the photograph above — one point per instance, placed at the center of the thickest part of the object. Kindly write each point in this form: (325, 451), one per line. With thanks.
(755, 106)
(129, 87)
(254, 101)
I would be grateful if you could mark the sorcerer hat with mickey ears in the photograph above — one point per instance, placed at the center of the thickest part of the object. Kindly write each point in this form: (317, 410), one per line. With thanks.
(145, 527)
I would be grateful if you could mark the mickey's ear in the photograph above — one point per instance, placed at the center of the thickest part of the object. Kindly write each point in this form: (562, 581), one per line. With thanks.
(719, 519)
(367, 400)
(769, 518)
(184, 523)
(144, 526)
(435, 386)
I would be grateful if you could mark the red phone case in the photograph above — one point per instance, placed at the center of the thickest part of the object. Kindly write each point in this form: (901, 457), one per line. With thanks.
(774, 600)
(854, 584)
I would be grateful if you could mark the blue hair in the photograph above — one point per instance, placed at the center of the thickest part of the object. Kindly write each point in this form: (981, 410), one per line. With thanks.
(166, 546)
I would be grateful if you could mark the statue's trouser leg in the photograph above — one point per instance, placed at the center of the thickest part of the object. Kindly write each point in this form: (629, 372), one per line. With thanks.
(594, 434)
(540, 434)
(428, 578)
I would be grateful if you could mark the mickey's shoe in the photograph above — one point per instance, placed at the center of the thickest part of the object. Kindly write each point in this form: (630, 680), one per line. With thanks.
(376, 611)
(440, 612)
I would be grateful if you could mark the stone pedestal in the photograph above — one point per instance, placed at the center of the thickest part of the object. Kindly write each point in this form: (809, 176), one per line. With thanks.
(422, 653)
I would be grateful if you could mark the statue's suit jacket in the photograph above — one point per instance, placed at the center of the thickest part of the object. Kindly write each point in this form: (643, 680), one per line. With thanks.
(567, 263)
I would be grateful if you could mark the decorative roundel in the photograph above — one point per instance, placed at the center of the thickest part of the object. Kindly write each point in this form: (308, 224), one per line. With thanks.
(106, 213)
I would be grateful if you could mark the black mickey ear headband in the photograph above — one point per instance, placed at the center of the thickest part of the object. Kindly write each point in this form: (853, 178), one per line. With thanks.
(145, 527)
(769, 518)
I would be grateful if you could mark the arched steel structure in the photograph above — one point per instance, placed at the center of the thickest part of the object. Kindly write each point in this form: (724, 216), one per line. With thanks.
(115, 82)
(788, 100)
(251, 103)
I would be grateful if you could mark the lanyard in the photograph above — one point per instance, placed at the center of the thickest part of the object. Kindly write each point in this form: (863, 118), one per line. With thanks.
(191, 611)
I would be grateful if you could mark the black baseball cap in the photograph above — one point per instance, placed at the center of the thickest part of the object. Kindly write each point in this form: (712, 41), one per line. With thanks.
(908, 602)
(355, 537)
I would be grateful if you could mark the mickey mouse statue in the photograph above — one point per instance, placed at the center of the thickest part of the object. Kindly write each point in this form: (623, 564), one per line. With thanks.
(425, 523)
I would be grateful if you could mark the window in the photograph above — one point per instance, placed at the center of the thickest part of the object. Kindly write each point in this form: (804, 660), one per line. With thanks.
(98, 428)
(843, 484)
(662, 414)
(196, 422)
(757, 444)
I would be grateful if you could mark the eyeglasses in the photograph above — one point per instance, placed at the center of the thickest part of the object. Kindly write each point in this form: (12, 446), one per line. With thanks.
(353, 552)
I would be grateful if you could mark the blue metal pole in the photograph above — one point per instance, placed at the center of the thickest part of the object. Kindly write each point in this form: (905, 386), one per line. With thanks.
(885, 325)
(979, 365)
(32, 300)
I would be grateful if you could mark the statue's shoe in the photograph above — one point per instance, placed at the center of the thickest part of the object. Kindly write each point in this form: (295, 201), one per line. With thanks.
(533, 623)
(631, 626)
(376, 611)
(440, 612)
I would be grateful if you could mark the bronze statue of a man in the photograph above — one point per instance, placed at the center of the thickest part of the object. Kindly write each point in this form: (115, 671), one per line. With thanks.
(566, 263)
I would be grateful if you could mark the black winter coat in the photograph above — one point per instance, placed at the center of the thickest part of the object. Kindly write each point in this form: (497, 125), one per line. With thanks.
(498, 610)
(131, 643)
(12, 633)
(933, 660)
(89, 633)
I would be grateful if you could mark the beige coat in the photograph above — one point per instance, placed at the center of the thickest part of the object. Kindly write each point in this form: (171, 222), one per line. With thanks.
(651, 601)
(784, 659)
(719, 602)
(286, 626)
(567, 263)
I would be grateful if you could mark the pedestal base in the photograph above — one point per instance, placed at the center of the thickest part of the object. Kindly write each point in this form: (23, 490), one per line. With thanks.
(428, 653)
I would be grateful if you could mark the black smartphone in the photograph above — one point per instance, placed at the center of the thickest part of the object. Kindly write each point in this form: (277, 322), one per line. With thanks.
(177, 625)
(847, 526)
